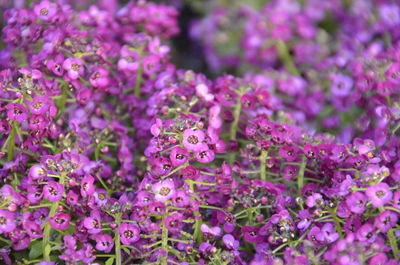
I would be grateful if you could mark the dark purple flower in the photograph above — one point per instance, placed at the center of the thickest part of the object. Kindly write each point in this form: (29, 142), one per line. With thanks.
(7, 223)
(60, 221)
(251, 234)
(379, 194)
(93, 223)
(164, 190)
(356, 202)
(104, 242)
(178, 156)
(53, 191)
(129, 233)
(386, 220)
(174, 222)
(16, 112)
(193, 140)
(45, 10)
(204, 155)
(74, 68)
(87, 186)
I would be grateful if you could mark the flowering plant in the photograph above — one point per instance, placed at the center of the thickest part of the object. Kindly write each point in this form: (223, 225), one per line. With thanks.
(110, 154)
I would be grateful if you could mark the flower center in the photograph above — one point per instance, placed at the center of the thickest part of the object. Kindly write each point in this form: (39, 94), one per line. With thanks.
(128, 234)
(165, 191)
(75, 67)
(193, 139)
(44, 12)
(179, 156)
(3, 220)
(380, 194)
(60, 221)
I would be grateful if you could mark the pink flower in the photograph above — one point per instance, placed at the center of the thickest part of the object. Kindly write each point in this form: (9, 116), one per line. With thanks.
(164, 190)
(193, 140)
(74, 68)
(379, 194)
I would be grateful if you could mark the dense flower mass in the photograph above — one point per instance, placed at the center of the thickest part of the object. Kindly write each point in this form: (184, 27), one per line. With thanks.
(112, 154)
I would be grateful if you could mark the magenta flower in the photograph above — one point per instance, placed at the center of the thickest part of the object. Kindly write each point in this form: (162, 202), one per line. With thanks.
(386, 220)
(39, 105)
(53, 191)
(193, 140)
(288, 153)
(181, 199)
(60, 221)
(37, 172)
(100, 78)
(87, 186)
(210, 231)
(129, 233)
(93, 223)
(74, 68)
(341, 85)
(164, 190)
(230, 242)
(104, 242)
(205, 155)
(45, 10)
(174, 222)
(157, 208)
(16, 112)
(379, 194)
(356, 202)
(366, 234)
(251, 234)
(7, 223)
(178, 156)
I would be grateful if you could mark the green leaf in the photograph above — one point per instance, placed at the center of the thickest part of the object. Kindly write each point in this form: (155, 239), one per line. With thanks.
(110, 261)
(47, 250)
(36, 250)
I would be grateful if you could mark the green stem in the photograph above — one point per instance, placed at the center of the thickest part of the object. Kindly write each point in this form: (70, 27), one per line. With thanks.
(47, 227)
(138, 82)
(234, 126)
(164, 241)
(286, 58)
(393, 244)
(118, 259)
(174, 171)
(300, 176)
(263, 165)
(11, 143)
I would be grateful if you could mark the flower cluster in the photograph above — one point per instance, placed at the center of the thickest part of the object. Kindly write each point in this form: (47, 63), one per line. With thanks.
(110, 154)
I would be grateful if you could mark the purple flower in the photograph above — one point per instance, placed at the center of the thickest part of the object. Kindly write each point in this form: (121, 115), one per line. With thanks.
(386, 221)
(53, 191)
(356, 202)
(157, 208)
(74, 68)
(39, 105)
(37, 172)
(16, 112)
(129, 233)
(230, 242)
(45, 10)
(379, 194)
(193, 140)
(7, 223)
(316, 236)
(251, 234)
(288, 153)
(314, 200)
(178, 156)
(341, 85)
(329, 233)
(174, 222)
(93, 223)
(210, 231)
(366, 234)
(100, 78)
(181, 199)
(204, 155)
(60, 221)
(87, 186)
(164, 190)
(104, 242)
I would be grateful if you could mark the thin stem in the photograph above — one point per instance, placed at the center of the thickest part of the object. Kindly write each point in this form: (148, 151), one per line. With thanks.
(174, 171)
(263, 166)
(118, 259)
(393, 244)
(234, 126)
(164, 241)
(300, 176)
(286, 58)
